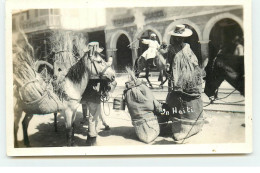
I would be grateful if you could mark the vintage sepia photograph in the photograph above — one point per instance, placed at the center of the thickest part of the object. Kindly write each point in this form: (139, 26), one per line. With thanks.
(108, 78)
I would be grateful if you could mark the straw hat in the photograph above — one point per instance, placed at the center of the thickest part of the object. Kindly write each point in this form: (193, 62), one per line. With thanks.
(94, 46)
(181, 31)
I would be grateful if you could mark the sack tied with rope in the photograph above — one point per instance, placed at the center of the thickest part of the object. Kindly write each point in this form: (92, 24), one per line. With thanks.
(142, 107)
(184, 97)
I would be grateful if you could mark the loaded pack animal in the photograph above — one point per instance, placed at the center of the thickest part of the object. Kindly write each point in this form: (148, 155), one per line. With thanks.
(224, 67)
(160, 61)
(73, 86)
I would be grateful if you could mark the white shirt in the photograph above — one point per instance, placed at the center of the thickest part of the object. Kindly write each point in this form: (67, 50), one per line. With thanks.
(152, 50)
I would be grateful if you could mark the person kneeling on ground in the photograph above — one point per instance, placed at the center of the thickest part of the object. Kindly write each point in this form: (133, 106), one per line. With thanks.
(142, 107)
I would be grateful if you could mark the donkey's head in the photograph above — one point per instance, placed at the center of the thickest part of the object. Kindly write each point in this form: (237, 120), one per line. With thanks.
(96, 65)
(213, 79)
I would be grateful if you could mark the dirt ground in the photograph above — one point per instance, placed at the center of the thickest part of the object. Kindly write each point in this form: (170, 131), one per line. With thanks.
(220, 127)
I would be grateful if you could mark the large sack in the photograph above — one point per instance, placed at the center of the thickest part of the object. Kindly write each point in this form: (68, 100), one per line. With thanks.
(142, 107)
(140, 101)
(187, 114)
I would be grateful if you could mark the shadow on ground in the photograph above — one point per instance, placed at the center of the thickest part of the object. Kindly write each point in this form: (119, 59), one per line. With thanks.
(122, 131)
(47, 137)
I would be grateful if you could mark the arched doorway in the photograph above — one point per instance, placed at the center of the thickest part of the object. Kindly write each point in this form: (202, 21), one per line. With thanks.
(143, 47)
(222, 35)
(124, 53)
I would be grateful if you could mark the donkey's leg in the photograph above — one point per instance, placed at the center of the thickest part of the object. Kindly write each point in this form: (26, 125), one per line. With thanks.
(73, 126)
(147, 78)
(160, 78)
(55, 122)
(137, 68)
(166, 78)
(18, 112)
(68, 113)
(147, 71)
(25, 123)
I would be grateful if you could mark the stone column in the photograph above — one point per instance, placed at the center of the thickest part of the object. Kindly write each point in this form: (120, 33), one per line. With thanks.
(204, 51)
(134, 54)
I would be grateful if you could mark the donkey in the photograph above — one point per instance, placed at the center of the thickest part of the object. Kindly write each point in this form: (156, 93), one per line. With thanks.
(224, 67)
(160, 61)
(73, 86)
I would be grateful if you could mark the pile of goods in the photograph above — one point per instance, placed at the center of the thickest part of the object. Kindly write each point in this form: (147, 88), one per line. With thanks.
(69, 48)
(37, 96)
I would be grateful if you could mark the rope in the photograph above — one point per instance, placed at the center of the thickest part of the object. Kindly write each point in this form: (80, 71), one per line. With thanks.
(221, 99)
(192, 127)
(211, 102)
(226, 95)
(233, 102)
(104, 107)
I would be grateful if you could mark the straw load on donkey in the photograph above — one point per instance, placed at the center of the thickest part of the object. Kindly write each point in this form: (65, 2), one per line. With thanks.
(33, 95)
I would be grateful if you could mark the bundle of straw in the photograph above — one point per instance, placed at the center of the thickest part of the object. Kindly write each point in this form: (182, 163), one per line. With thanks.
(31, 84)
(72, 43)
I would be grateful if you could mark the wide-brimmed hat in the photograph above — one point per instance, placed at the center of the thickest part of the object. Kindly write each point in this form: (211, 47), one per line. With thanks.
(94, 46)
(181, 31)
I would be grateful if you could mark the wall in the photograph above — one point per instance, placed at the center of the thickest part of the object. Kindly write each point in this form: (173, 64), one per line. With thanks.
(133, 22)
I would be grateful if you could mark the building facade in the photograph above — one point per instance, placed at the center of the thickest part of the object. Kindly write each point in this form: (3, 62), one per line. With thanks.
(39, 24)
(213, 27)
(118, 29)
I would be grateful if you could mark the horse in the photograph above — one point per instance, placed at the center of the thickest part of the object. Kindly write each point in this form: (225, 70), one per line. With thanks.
(160, 61)
(224, 67)
(73, 86)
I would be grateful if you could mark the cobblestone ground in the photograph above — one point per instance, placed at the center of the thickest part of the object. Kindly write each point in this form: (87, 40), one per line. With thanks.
(224, 124)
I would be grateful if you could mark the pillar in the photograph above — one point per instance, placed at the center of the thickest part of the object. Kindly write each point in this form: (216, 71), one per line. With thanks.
(112, 52)
(204, 51)
(134, 54)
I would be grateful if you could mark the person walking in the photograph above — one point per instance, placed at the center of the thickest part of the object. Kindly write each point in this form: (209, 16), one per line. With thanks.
(91, 99)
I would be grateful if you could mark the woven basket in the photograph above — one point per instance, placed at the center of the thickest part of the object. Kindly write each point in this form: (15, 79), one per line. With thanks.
(183, 129)
(49, 102)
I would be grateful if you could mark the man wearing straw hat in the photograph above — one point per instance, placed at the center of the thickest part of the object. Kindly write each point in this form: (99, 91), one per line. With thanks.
(184, 95)
(91, 100)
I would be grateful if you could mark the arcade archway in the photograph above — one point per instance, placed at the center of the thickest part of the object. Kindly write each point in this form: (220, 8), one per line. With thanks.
(124, 53)
(222, 35)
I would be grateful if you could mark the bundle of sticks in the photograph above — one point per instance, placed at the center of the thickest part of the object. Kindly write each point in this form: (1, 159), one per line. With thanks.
(70, 43)
(31, 84)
